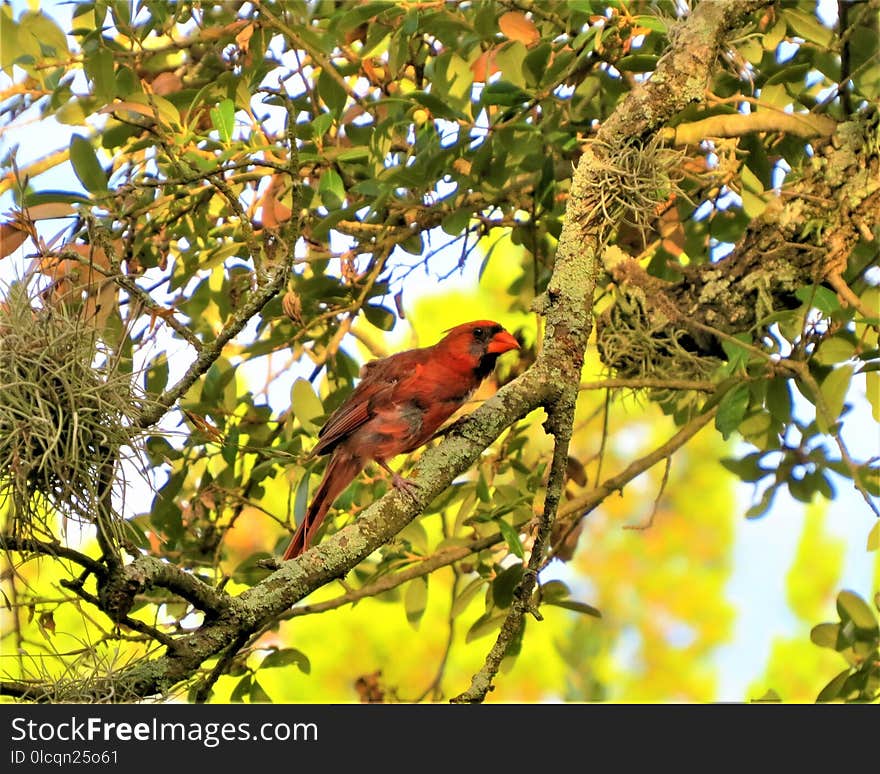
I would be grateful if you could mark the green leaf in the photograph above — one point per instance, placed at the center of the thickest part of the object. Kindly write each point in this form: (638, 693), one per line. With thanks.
(737, 356)
(869, 477)
(242, 689)
(732, 410)
(503, 93)
(872, 391)
(775, 35)
(357, 153)
(511, 537)
(637, 63)
(321, 124)
(554, 590)
(459, 77)
(33, 198)
(485, 624)
(250, 572)
(332, 92)
(438, 108)
(160, 451)
(100, 68)
(760, 429)
(306, 405)
(534, 65)
(86, 165)
(778, 399)
(10, 45)
(834, 389)
(825, 635)
(157, 374)
(466, 596)
(384, 319)
(728, 225)
(505, 583)
(219, 387)
(223, 119)
(331, 189)
(747, 468)
(258, 695)
(414, 244)
(456, 222)
(482, 489)
(834, 688)
(285, 657)
(750, 180)
(793, 73)
(753, 204)
(578, 607)
(850, 606)
(763, 505)
(752, 50)
(510, 61)
(415, 600)
(823, 299)
(41, 36)
(806, 25)
(414, 533)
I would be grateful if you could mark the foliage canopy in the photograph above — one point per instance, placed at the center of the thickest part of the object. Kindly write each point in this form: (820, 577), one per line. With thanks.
(257, 190)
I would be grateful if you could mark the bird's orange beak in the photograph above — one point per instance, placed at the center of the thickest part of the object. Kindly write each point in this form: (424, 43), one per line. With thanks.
(502, 342)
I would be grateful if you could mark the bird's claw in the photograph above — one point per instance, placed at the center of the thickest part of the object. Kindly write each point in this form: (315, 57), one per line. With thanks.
(405, 485)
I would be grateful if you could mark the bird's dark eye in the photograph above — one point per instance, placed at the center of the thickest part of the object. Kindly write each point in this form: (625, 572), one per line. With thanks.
(478, 333)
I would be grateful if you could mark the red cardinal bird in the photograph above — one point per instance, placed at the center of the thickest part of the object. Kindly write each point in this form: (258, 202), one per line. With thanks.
(398, 405)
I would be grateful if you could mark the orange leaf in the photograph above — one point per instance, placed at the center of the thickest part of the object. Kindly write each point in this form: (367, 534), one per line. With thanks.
(166, 83)
(516, 26)
(133, 107)
(50, 210)
(484, 66)
(274, 212)
(243, 38)
(11, 238)
(203, 425)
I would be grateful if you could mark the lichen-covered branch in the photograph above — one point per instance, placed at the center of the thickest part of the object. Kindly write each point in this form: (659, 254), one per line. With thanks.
(681, 76)
(804, 236)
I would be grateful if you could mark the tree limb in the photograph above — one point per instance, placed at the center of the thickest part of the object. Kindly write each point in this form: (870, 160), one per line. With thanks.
(681, 76)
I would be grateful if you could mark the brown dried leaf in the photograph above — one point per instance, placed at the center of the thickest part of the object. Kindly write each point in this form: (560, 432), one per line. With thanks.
(203, 425)
(398, 303)
(292, 306)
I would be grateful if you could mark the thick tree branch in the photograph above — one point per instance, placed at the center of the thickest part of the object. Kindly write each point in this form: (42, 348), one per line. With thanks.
(804, 236)
(681, 76)
(738, 124)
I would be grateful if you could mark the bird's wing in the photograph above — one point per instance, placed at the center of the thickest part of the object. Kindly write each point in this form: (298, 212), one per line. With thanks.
(376, 388)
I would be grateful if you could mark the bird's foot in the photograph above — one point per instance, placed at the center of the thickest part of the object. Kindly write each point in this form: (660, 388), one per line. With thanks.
(406, 485)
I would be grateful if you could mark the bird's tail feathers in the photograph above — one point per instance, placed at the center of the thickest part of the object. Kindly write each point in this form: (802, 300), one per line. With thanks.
(340, 472)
